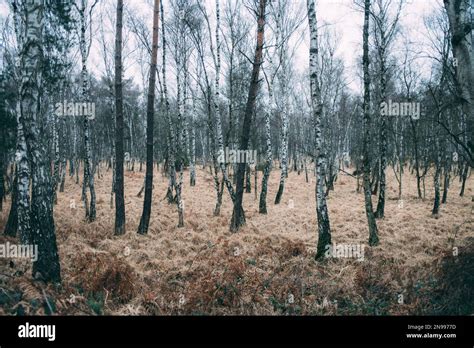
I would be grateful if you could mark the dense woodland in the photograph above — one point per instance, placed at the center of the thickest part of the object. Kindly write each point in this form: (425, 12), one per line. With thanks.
(185, 91)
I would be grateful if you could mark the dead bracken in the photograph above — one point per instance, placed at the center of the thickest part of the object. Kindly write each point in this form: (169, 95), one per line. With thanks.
(197, 269)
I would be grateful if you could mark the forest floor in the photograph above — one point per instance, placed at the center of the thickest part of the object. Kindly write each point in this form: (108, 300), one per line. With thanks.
(423, 264)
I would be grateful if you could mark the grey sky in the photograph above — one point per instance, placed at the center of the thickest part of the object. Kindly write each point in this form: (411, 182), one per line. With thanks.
(341, 16)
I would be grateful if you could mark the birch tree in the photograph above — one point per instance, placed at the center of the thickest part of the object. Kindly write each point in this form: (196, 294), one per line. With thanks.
(88, 180)
(42, 228)
(274, 61)
(384, 33)
(373, 232)
(170, 138)
(324, 229)
(145, 218)
(283, 108)
(119, 124)
(238, 216)
(22, 172)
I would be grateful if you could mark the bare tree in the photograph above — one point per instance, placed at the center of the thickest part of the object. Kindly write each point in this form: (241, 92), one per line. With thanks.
(42, 228)
(145, 218)
(324, 229)
(88, 181)
(373, 234)
(238, 216)
(384, 33)
(119, 124)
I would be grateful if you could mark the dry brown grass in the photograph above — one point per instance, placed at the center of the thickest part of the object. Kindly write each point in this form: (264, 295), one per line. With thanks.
(266, 268)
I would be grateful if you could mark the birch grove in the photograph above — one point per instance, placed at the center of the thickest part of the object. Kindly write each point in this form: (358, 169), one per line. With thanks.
(134, 132)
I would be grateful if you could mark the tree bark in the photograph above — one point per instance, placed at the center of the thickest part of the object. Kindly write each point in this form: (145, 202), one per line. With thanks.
(461, 26)
(373, 233)
(145, 218)
(262, 207)
(42, 226)
(119, 124)
(437, 174)
(11, 227)
(88, 174)
(324, 229)
(238, 216)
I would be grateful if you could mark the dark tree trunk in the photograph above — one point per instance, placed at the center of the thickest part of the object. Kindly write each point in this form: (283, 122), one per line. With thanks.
(463, 178)
(3, 170)
(380, 211)
(11, 227)
(255, 176)
(238, 216)
(119, 124)
(373, 233)
(145, 219)
(56, 157)
(281, 187)
(436, 202)
(447, 173)
(248, 185)
(417, 157)
(63, 170)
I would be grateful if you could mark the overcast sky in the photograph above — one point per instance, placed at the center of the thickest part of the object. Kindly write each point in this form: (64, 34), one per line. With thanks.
(342, 16)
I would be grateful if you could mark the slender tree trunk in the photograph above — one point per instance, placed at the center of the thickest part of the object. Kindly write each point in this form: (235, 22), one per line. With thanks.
(283, 157)
(255, 174)
(88, 175)
(77, 166)
(192, 177)
(22, 176)
(11, 227)
(417, 158)
(203, 148)
(262, 209)
(306, 170)
(220, 139)
(248, 184)
(112, 156)
(436, 202)
(180, 141)
(63, 162)
(447, 174)
(119, 124)
(170, 139)
(238, 216)
(464, 178)
(379, 213)
(373, 233)
(324, 229)
(3, 159)
(445, 187)
(145, 219)
(56, 157)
